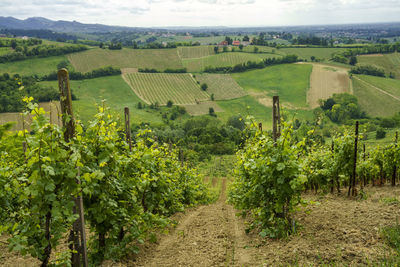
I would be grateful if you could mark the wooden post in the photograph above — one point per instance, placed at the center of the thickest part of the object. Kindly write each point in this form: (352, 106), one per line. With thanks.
(128, 128)
(276, 128)
(260, 126)
(332, 181)
(364, 177)
(78, 229)
(395, 167)
(353, 181)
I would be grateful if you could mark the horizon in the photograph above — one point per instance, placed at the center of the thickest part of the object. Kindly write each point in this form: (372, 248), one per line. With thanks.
(207, 13)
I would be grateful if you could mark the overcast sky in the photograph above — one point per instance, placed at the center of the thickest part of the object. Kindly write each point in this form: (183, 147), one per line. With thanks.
(155, 13)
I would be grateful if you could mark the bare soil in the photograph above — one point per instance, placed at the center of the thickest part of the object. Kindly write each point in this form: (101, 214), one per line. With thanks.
(333, 230)
(326, 81)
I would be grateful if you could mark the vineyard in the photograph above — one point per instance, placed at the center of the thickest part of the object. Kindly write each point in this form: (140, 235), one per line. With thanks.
(162, 87)
(222, 60)
(222, 86)
(389, 62)
(159, 59)
(195, 51)
(56, 183)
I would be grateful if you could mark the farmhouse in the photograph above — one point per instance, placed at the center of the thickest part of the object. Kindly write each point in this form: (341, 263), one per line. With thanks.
(223, 43)
(236, 43)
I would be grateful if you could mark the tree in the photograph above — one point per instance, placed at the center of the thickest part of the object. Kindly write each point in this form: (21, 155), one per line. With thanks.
(353, 60)
(225, 49)
(14, 44)
(211, 112)
(169, 103)
(380, 133)
(246, 38)
(216, 49)
(212, 97)
(229, 40)
(204, 86)
(255, 49)
(312, 58)
(241, 47)
(62, 65)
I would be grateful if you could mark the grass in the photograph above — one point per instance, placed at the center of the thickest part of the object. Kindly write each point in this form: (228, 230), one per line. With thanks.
(223, 86)
(162, 87)
(306, 53)
(289, 81)
(117, 94)
(222, 60)
(32, 66)
(5, 50)
(202, 108)
(159, 59)
(371, 100)
(186, 52)
(245, 106)
(389, 62)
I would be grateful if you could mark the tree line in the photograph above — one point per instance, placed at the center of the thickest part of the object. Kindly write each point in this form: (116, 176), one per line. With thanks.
(24, 52)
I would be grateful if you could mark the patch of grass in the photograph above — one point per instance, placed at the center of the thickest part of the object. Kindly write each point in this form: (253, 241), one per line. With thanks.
(117, 94)
(246, 106)
(374, 102)
(391, 201)
(159, 59)
(391, 235)
(389, 62)
(32, 66)
(5, 50)
(290, 81)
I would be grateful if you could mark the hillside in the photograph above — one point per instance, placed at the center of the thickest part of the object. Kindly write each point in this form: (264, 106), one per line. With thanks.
(389, 62)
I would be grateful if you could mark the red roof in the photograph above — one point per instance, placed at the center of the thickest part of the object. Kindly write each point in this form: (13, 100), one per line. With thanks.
(224, 43)
(236, 42)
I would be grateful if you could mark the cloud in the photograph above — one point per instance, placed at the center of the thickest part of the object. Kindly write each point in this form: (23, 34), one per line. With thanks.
(205, 12)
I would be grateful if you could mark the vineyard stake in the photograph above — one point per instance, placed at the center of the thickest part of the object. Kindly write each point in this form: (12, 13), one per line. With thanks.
(69, 126)
(276, 128)
(128, 128)
(260, 126)
(353, 182)
(332, 181)
(395, 167)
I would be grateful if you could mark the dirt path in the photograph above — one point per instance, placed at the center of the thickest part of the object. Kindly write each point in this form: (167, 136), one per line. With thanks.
(207, 236)
(377, 88)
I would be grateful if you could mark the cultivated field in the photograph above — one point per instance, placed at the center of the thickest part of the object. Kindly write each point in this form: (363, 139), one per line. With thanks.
(306, 53)
(223, 86)
(32, 66)
(377, 96)
(186, 52)
(52, 108)
(114, 91)
(326, 81)
(162, 87)
(202, 108)
(389, 62)
(159, 59)
(222, 60)
(290, 81)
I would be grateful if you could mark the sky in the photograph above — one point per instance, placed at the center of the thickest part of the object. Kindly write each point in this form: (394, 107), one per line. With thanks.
(162, 13)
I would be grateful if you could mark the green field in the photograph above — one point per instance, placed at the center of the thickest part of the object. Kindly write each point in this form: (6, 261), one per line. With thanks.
(5, 50)
(372, 100)
(222, 60)
(306, 53)
(159, 59)
(162, 87)
(195, 51)
(263, 49)
(32, 66)
(246, 106)
(389, 62)
(117, 94)
(223, 86)
(290, 81)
